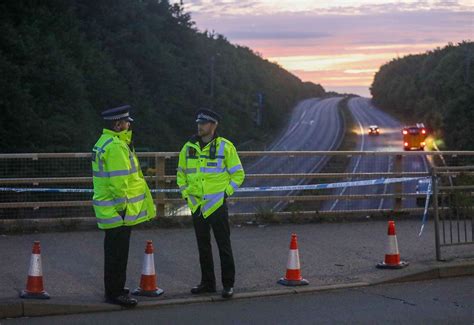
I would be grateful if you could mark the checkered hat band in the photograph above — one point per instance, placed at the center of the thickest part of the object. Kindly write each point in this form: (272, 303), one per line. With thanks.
(117, 117)
(206, 117)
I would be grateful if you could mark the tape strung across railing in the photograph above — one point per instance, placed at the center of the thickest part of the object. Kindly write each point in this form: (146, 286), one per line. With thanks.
(425, 212)
(369, 182)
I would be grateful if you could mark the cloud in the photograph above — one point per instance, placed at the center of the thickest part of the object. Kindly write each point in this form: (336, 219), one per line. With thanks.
(221, 8)
(277, 35)
(337, 43)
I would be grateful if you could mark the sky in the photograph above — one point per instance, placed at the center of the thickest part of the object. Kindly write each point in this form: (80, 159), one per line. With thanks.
(339, 44)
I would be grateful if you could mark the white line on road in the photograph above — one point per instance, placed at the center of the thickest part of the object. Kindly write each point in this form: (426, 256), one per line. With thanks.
(358, 159)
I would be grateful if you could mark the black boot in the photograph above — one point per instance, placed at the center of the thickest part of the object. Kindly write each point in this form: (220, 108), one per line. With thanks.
(203, 288)
(123, 300)
(227, 292)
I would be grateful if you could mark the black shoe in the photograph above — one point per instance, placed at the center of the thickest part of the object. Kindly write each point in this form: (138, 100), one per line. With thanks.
(227, 292)
(126, 290)
(123, 300)
(203, 288)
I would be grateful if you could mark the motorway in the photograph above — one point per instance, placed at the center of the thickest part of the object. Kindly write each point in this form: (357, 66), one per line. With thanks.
(446, 301)
(390, 139)
(315, 125)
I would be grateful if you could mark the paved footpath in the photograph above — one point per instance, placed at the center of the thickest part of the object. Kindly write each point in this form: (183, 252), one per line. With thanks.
(330, 254)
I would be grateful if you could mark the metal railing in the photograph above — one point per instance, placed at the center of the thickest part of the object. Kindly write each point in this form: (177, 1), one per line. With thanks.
(453, 200)
(72, 170)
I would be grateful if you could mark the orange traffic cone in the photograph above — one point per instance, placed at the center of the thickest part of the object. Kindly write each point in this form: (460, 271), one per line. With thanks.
(293, 274)
(34, 285)
(148, 286)
(392, 256)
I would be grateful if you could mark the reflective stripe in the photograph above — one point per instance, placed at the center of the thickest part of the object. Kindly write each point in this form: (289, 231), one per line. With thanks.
(212, 196)
(234, 185)
(137, 198)
(109, 220)
(208, 157)
(213, 170)
(182, 188)
(114, 173)
(190, 170)
(193, 200)
(109, 203)
(235, 168)
(216, 198)
(180, 170)
(133, 218)
(212, 164)
(132, 162)
(102, 150)
(221, 154)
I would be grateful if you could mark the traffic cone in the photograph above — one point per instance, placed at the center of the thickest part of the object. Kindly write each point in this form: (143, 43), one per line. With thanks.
(148, 286)
(34, 285)
(392, 256)
(293, 274)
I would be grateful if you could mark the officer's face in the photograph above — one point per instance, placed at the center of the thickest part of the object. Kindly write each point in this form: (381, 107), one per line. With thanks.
(206, 128)
(122, 125)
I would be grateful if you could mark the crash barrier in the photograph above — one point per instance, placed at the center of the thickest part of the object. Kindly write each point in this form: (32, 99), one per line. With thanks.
(453, 200)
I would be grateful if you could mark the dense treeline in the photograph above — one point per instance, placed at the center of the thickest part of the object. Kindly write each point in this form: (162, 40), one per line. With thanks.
(436, 88)
(62, 62)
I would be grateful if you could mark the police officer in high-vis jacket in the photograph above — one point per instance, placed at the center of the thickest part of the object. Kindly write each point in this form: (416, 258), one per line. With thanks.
(209, 171)
(121, 199)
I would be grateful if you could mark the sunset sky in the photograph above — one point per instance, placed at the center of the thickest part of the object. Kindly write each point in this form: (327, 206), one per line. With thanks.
(341, 43)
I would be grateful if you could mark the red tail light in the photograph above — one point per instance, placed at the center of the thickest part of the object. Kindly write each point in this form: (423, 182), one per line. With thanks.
(405, 132)
(406, 144)
(423, 131)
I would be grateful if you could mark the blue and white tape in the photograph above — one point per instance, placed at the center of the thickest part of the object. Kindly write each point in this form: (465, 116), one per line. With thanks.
(369, 182)
(425, 212)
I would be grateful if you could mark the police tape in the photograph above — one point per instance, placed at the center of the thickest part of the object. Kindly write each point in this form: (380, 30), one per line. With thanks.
(369, 182)
(425, 212)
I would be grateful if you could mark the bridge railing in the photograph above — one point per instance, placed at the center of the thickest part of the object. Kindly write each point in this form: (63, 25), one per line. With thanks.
(30, 182)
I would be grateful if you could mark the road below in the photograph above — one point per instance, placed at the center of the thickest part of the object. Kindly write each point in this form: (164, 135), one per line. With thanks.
(390, 139)
(446, 301)
(315, 125)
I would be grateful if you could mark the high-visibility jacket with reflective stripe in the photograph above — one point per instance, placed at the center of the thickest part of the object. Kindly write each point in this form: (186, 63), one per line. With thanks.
(204, 181)
(119, 186)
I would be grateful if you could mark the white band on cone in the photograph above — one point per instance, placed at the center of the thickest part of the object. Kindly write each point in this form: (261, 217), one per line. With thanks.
(293, 260)
(392, 245)
(35, 265)
(148, 265)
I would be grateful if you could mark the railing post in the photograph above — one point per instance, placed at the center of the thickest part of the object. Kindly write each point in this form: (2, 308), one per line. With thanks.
(398, 187)
(434, 186)
(160, 184)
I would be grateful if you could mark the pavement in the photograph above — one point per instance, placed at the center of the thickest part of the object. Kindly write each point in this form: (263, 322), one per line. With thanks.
(332, 255)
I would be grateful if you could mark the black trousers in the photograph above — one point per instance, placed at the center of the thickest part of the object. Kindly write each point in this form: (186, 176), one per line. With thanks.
(219, 222)
(116, 246)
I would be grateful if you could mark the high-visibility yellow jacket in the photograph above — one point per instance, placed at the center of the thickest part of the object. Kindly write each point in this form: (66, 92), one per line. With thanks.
(204, 181)
(121, 194)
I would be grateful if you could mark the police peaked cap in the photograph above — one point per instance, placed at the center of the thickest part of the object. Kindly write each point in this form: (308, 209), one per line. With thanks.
(118, 113)
(205, 115)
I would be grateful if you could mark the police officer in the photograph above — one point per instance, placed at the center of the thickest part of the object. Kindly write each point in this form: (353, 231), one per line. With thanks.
(209, 171)
(121, 199)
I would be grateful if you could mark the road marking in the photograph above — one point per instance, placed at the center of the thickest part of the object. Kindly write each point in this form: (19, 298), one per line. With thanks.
(358, 159)
(321, 161)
